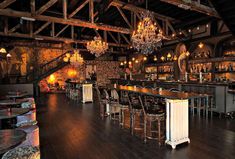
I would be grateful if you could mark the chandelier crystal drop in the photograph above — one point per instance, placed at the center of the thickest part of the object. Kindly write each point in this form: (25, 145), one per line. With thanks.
(76, 59)
(97, 46)
(147, 37)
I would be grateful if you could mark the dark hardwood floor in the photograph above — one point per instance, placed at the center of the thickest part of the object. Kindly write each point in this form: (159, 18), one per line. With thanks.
(69, 130)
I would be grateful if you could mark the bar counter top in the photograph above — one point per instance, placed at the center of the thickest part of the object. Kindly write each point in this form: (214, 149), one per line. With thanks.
(178, 82)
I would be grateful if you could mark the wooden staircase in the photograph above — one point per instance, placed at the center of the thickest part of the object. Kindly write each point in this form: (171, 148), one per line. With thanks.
(42, 71)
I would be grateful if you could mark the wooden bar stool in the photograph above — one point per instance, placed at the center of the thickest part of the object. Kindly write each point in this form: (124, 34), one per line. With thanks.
(135, 110)
(151, 116)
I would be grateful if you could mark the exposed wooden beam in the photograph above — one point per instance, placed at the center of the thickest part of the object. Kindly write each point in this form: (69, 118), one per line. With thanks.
(125, 38)
(195, 6)
(45, 7)
(15, 28)
(91, 11)
(136, 9)
(78, 9)
(6, 3)
(41, 28)
(124, 17)
(65, 5)
(74, 22)
(62, 30)
(67, 40)
(111, 35)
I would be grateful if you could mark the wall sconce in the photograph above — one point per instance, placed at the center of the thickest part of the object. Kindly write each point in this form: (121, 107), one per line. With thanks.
(155, 58)
(175, 58)
(200, 45)
(163, 58)
(3, 51)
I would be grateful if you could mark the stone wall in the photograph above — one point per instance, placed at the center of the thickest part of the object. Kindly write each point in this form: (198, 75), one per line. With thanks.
(104, 70)
(25, 59)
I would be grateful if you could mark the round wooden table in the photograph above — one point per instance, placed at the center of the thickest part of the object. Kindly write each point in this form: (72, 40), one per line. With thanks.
(6, 114)
(10, 138)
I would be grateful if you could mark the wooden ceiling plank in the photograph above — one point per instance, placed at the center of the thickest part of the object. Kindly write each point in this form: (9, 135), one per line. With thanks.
(45, 7)
(6, 3)
(78, 9)
(74, 22)
(195, 6)
(136, 9)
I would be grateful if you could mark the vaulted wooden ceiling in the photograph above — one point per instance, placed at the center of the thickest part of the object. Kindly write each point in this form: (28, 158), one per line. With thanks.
(80, 20)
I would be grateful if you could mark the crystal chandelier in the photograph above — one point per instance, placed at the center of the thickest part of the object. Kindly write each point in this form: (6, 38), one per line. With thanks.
(97, 46)
(75, 59)
(147, 37)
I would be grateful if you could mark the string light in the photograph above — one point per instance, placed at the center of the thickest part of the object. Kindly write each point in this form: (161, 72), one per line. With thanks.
(145, 58)
(136, 61)
(168, 55)
(121, 63)
(198, 28)
(125, 62)
(163, 58)
(133, 59)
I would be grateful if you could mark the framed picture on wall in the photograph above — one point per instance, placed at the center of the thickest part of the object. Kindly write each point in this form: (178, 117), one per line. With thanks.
(89, 70)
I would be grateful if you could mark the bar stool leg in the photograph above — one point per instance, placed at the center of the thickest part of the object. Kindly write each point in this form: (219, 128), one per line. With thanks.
(145, 129)
(159, 132)
(198, 107)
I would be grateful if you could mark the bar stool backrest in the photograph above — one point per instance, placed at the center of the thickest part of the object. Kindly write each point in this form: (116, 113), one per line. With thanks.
(174, 90)
(142, 105)
(106, 94)
(114, 95)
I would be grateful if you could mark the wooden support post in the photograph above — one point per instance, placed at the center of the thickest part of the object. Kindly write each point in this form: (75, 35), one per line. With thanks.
(53, 29)
(32, 7)
(105, 36)
(65, 9)
(31, 28)
(91, 11)
(72, 32)
(5, 25)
